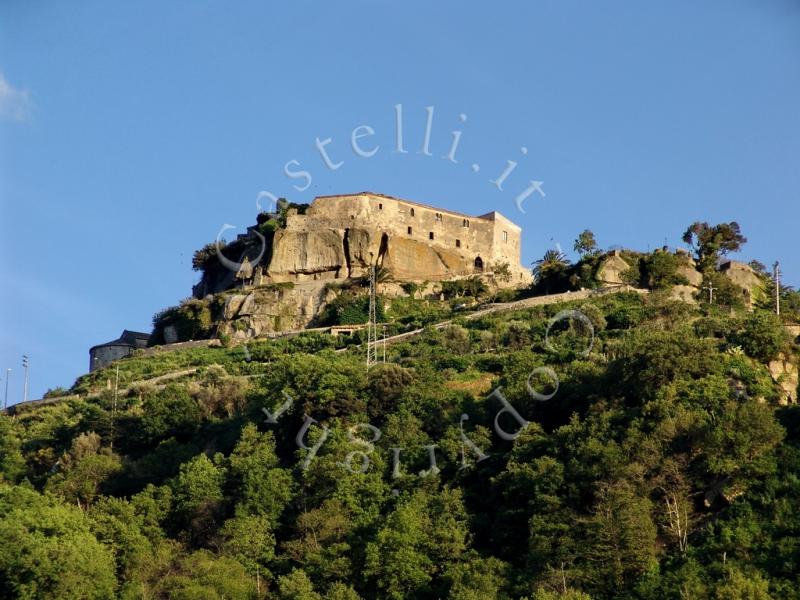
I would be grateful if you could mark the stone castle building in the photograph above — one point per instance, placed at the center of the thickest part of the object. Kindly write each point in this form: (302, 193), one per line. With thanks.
(104, 354)
(340, 236)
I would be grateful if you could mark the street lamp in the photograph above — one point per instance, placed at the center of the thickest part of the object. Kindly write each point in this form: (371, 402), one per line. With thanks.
(25, 365)
(5, 400)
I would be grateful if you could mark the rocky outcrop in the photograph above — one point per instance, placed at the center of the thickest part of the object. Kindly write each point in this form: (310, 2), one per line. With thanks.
(307, 255)
(338, 254)
(687, 269)
(412, 260)
(273, 308)
(362, 248)
(784, 372)
(744, 277)
(684, 293)
(611, 270)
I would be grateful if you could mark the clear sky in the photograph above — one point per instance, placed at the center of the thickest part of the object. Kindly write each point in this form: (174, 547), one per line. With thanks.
(131, 132)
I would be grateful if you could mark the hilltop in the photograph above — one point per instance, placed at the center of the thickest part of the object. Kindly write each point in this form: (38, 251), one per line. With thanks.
(608, 432)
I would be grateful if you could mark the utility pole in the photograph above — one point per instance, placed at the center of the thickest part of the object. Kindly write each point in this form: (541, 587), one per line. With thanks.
(114, 410)
(776, 273)
(711, 289)
(25, 365)
(384, 343)
(372, 326)
(5, 400)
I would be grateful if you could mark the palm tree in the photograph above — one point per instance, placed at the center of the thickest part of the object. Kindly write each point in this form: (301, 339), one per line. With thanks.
(551, 265)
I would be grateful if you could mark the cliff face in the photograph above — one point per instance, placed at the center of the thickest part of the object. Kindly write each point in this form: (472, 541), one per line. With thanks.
(272, 309)
(307, 255)
(341, 254)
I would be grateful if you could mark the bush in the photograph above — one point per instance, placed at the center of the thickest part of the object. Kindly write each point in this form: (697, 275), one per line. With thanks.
(350, 308)
(762, 337)
(473, 287)
(192, 321)
(660, 270)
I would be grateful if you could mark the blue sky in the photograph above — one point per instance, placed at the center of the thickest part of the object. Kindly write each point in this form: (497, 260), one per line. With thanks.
(130, 133)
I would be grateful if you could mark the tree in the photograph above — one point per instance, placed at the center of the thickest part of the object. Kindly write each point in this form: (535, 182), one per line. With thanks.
(502, 271)
(116, 525)
(422, 536)
(197, 491)
(321, 547)
(478, 578)
(12, 462)
(47, 550)
(763, 336)
(296, 586)
(711, 242)
(169, 412)
(83, 470)
(585, 244)
(249, 539)
(203, 576)
(622, 535)
(550, 267)
(263, 488)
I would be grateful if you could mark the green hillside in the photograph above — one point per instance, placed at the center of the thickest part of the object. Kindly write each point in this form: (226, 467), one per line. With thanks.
(659, 461)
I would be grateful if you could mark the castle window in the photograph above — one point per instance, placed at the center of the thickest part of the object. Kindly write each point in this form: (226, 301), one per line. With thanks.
(458, 243)
(465, 223)
(409, 231)
(430, 235)
(380, 206)
(412, 212)
(438, 217)
(505, 236)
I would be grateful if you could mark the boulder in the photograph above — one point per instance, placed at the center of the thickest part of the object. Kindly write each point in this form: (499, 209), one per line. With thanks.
(232, 305)
(784, 372)
(248, 306)
(744, 277)
(413, 260)
(687, 268)
(306, 252)
(272, 309)
(611, 270)
(685, 293)
(362, 250)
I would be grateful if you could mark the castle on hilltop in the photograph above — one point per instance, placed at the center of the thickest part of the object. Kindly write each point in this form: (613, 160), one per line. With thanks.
(340, 236)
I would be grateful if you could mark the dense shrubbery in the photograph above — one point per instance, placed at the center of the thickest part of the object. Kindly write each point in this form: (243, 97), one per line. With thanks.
(662, 468)
(191, 320)
(350, 308)
(473, 287)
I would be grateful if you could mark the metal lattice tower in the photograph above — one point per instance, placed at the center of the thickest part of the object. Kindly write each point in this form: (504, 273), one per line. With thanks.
(372, 325)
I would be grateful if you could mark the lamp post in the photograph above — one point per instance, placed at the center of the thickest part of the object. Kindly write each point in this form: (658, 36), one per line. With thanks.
(5, 400)
(25, 366)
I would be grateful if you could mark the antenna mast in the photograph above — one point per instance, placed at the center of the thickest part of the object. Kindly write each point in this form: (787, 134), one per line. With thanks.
(776, 273)
(372, 326)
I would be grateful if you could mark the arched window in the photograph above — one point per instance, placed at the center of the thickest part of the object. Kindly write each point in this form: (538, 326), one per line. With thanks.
(478, 264)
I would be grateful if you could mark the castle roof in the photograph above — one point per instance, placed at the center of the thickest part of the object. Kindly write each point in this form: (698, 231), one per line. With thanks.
(127, 338)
